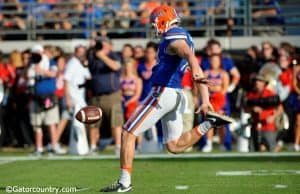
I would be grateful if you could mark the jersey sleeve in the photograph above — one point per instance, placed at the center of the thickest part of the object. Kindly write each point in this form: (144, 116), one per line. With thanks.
(175, 34)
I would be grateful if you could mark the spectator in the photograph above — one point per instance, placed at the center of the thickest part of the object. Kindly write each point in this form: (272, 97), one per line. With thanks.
(286, 48)
(145, 72)
(249, 66)
(75, 76)
(217, 75)
(145, 9)
(7, 73)
(125, 14)
(60, 94)
(105, 68)
(89, 13)
(38, 12)
(268, 15)
(268, 53)
(145, 68)
(7, 79)
(223, 11)
(296, 84)
(214, 47)
(127, 52)
(286, 76)
(139, 54)
(43, 108)
(263, 114)
(14, 20)
(21, 99)
(182, 7)
(131, 86)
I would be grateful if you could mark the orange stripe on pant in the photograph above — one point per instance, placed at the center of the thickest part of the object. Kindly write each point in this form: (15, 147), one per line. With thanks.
(137, 112)
(144, 116)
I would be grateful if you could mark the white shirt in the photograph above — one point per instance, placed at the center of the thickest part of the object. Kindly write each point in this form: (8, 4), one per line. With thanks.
(76, 74)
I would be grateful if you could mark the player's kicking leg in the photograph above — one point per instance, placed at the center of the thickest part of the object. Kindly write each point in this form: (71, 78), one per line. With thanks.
(189, 138)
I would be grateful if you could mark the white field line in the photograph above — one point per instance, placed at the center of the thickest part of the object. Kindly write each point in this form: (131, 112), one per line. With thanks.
(3, 162)
(258, 173)
(181, 187)
(152, 156)
(280, 186)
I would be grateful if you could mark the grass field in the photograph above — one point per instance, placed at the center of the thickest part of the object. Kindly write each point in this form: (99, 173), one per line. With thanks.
(261, 175)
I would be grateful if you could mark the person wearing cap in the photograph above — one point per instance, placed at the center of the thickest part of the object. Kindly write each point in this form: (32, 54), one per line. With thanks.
(105, 67)
(263, 115)
(43, 107)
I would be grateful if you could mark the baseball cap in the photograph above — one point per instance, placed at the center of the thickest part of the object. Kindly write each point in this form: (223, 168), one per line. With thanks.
(261, 78)
(37, 48)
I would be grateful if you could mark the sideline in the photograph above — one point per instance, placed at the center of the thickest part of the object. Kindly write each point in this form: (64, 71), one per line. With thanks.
(8, 159)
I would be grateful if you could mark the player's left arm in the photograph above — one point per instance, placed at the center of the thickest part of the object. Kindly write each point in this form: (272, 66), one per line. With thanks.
(225, 82)
(235, 74)
(180, 47)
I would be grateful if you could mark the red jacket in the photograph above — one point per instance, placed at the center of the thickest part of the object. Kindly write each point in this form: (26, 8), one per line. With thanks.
(286, 78)
(266, 112)
(7, 74)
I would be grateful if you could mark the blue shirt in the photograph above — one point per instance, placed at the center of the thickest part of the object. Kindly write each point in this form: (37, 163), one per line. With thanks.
(147, 85)
(170, 68)
(227, 64)
(46, 85)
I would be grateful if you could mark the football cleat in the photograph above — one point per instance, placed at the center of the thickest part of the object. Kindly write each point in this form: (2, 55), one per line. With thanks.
(217, 120)
(116, 187)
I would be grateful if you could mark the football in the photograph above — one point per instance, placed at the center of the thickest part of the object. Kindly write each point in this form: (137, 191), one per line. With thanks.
(89, 114)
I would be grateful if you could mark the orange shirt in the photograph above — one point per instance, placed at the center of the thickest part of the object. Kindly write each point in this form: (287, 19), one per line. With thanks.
(266, 112)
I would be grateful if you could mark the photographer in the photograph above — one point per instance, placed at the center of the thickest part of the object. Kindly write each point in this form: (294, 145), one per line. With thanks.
(105, 68)
(43, 107)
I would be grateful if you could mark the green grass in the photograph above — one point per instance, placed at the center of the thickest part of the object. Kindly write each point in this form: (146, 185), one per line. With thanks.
(157, 175)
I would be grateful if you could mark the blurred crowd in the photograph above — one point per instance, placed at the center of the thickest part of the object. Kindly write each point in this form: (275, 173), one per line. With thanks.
(56, 19)
(42, 87)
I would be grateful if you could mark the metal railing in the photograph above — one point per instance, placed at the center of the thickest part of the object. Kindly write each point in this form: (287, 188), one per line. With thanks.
(70, 19)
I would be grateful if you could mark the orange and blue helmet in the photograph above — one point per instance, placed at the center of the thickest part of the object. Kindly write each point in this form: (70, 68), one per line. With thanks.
(163, 17)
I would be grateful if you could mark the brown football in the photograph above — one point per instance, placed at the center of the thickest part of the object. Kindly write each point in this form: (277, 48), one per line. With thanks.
(89, 114)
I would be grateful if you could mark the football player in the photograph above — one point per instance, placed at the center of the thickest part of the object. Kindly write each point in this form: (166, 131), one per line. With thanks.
(166, 101)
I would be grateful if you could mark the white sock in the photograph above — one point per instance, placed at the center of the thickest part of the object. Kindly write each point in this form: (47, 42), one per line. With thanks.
(209, 142)
(40, 149)
(204, 127)
(125, 178)
(93, 147)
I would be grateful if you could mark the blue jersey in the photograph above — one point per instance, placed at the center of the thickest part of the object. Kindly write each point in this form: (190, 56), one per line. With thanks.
(145, 74)
(170, 68)
(227, 64)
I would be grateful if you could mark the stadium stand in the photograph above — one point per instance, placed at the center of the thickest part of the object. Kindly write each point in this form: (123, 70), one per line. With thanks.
(42, 19)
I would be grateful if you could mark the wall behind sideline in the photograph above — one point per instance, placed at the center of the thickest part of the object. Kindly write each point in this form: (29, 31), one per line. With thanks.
(228, 43)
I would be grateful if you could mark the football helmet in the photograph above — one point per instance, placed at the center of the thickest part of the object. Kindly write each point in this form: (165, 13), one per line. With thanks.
(163, 17)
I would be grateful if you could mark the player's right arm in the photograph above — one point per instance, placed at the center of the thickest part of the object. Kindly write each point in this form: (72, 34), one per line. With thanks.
(180, 47)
